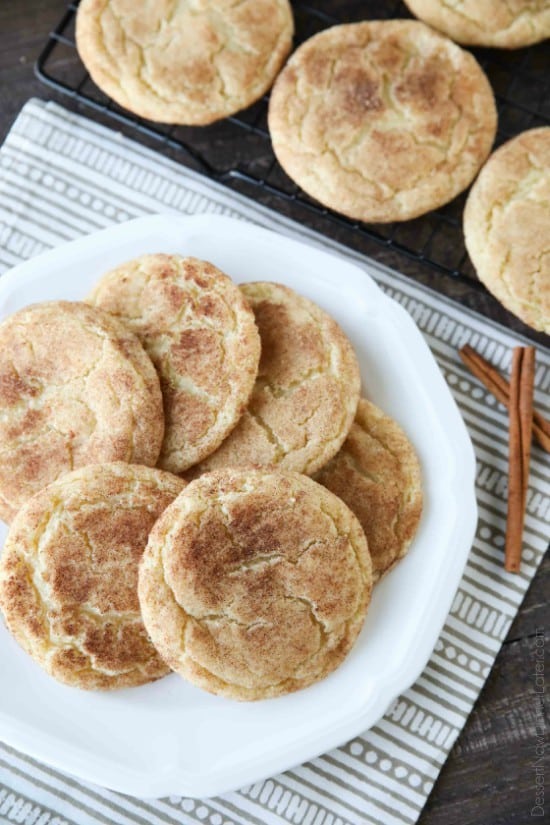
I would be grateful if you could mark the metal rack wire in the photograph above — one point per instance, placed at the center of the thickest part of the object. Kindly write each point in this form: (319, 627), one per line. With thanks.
(237, 151)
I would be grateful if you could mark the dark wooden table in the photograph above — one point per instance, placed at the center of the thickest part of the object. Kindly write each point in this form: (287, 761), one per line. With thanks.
(488, 778)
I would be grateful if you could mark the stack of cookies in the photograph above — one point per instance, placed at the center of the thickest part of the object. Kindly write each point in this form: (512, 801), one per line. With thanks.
(193, 484)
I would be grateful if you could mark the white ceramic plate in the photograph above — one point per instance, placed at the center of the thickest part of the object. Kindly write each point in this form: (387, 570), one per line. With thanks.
(172, 738)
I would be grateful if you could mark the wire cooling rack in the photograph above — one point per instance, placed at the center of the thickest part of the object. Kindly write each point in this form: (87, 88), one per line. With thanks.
(237, 151)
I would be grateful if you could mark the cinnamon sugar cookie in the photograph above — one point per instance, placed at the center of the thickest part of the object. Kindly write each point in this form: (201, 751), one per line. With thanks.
(504, 25)
(306, 392)
(377, 474)
(255, 584)
(200, 334)
(507, 226)
(382, 121)
(184, 62)
(69, 570)
(76, 388)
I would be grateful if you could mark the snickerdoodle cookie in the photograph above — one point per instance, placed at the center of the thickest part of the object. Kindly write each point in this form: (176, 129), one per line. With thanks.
(76, 388)
(184, 61)
(507, 226)
(377, 474)
(69, 571)
(255, 584)
(306, 393)
(505, 25)
(382, 121)
(200, 333)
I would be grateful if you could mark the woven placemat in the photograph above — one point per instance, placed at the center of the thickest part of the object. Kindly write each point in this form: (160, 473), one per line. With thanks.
(63, 176)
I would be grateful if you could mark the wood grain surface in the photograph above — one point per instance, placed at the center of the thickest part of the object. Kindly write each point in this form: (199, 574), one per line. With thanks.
(488, 778)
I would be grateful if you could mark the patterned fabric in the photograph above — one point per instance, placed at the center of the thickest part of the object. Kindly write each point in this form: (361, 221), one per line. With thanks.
(62, 176)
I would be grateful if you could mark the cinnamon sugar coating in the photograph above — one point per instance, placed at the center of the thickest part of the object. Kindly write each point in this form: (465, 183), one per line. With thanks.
(504, 25)
(69, 570)
(255, 584)
(507, 226)
(382, 121)
(200, 333)
(76, 388)
(306, 392)
(377, 474)
(184, 61)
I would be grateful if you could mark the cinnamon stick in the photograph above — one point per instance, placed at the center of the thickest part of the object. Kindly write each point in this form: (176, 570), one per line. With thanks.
(499, 387)
(526, 413)
(521, 417)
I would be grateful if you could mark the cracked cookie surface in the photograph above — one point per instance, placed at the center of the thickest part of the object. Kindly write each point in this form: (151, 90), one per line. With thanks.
(184, 61)
(504, 24)
(377, 474)
(382, 121)
(306, 392)
(255, 584)
(507, 226)
(200, 334)
(76, 388)
(69, 572)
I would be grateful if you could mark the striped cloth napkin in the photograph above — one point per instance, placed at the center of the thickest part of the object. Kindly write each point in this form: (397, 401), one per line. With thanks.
(62, 176)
